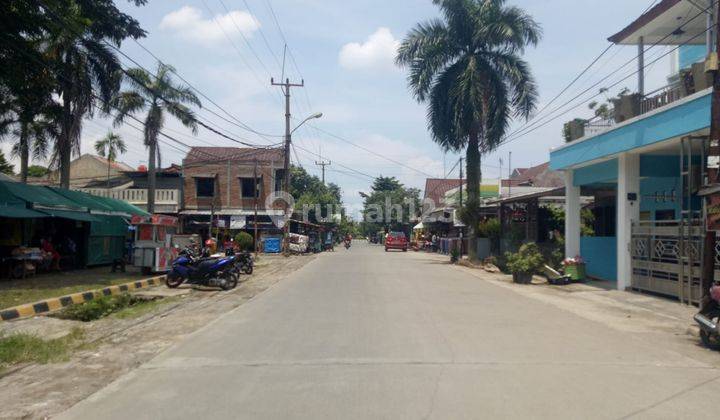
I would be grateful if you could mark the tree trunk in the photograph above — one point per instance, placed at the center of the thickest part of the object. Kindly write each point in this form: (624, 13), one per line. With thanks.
(108, 175)
(473, 192)
(24, 153)
(151, 177)
(64, 147)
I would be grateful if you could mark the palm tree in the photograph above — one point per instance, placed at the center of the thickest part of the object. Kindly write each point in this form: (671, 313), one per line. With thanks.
(157, 95)
(29, 118)
(110, 147)
(467, 67)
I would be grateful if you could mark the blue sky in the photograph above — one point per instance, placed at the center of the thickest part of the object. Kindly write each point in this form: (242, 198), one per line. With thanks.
(344, 51)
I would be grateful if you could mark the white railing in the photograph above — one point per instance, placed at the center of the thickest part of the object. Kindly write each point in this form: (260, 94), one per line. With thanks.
(136, 196)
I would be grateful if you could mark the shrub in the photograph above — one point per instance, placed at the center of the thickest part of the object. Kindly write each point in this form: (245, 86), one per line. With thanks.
(489, 229)
(97, 308)
(244, 241)
(527, 260)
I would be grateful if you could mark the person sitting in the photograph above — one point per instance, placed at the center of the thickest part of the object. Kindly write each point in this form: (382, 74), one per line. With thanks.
(50, 254)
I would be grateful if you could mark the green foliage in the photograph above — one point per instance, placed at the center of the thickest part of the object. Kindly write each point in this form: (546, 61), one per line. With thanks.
(489, 229)
(37, 171)
(527, 260)
(97, 308)
(28, 348)
(587, 218)
(310, 192)
(5, 166)
(390, 205)
(244, 241)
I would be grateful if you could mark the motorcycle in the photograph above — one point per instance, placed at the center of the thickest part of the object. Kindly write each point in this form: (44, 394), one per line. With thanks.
(347, 244)
(243, 261)
(709, 320)
(213, 272)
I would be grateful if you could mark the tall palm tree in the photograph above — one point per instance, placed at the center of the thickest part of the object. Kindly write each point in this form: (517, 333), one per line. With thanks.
(110, 147)
(157, 95)
(467, 66)
(87, 69)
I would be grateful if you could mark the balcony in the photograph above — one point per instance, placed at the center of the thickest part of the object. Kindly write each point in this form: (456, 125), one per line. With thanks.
(166, 201)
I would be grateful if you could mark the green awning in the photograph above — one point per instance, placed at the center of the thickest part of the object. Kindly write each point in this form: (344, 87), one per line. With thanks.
(83, 199)
(19, 212)
(39, 196)
(72, 215)
(122, 206)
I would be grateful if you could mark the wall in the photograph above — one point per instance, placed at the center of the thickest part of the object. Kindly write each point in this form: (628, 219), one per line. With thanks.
(690, 54)
(220, 171)
(600, 256)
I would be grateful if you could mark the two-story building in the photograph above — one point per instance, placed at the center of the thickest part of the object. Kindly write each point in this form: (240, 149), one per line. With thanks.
(645, 161)
(221, 185)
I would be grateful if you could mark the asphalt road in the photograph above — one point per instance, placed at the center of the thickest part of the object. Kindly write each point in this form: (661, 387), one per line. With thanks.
(364, 334)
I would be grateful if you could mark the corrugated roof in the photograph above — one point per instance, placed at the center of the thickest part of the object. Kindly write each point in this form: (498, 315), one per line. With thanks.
(537, 176)
(246, 154)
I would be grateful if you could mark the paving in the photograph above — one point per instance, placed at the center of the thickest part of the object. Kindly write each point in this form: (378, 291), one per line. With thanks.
(366, 334)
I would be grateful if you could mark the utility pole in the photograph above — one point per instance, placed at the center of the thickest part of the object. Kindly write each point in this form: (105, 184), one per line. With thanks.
(286, 91)
(461, 181)
(509, 174)
(323, 164)
(257, 193)
(712, 187)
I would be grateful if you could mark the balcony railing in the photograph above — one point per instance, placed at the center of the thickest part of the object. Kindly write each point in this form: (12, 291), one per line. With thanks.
(661, 97)
(136, 196)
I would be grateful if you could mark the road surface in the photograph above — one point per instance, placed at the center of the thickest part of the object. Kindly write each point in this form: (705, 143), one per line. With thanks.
(364, 334)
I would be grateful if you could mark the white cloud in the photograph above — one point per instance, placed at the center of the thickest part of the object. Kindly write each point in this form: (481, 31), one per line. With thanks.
(376, 53)
(189, 23)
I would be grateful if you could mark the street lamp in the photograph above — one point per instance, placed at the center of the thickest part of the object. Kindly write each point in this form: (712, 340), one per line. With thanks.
(312, 117)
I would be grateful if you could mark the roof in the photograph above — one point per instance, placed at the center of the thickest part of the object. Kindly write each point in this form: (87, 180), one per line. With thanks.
(43, 197)
(670, 22)
(113, 182)
(542, 192)
(246, 154)
(537, 176)
(435, 188)
(120, 166)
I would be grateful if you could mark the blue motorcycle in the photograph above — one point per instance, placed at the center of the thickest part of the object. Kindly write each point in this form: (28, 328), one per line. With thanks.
(212, 272)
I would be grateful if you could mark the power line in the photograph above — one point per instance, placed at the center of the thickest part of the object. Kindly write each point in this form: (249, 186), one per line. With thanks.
(536, 121)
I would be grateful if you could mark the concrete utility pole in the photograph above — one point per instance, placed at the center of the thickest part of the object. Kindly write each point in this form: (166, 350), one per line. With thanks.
(323, 164)
(712, 188)
(256, 193)
(286, 91)
(461, 180)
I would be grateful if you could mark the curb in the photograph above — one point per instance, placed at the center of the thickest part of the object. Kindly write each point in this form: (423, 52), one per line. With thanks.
(54, 304)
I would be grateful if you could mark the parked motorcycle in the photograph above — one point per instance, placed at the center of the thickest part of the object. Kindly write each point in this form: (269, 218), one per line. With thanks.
(213, 272)
(243, 261)
(709, 320)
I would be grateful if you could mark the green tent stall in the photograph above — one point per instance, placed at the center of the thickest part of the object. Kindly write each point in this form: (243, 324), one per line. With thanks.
(104, 220)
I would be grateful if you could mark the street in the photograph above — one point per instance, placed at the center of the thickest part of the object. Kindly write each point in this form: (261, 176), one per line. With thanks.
(366, 334)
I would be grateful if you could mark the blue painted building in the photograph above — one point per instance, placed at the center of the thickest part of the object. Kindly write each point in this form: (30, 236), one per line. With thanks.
(644, 165)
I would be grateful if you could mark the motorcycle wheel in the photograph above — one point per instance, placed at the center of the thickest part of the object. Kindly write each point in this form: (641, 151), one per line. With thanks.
(231, 281)
(173, 281)
(248, 269)
(711, 341)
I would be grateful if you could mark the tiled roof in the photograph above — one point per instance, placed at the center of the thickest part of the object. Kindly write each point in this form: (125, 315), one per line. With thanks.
(537, 176)
(248, 154)
(119, 166)
(435, 188)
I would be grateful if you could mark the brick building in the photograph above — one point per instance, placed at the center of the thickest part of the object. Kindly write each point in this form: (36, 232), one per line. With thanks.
(219, 181)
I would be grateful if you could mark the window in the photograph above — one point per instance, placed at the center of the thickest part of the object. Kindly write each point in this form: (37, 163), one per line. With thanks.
(205, 187)
(279, 179)
(247, 187)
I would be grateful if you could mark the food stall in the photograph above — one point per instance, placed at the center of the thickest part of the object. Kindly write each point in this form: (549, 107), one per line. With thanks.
(154, 250)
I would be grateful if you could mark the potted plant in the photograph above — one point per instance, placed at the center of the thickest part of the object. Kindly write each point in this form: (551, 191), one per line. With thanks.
(575, 268)
(574, 129)
(454, 255)
(526, 262)
(626, 106)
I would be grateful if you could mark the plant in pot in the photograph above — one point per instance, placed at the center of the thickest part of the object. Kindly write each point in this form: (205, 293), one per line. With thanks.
(454, 256)
(524, 263)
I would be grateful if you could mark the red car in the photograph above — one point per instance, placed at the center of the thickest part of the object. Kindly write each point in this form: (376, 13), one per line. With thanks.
(396, 240)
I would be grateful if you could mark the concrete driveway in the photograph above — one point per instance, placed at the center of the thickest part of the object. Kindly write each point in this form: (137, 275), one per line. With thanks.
(364, 334)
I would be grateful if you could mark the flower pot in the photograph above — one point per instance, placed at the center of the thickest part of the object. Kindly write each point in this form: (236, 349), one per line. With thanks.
(626, 107)
(522, 278)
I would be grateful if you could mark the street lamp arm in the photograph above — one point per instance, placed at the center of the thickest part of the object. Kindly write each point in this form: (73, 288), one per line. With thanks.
(312, 117)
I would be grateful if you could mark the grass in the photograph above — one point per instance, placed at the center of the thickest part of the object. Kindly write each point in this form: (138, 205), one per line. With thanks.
(143, 307)
(43, 286)
(28, 348)
(124, 306)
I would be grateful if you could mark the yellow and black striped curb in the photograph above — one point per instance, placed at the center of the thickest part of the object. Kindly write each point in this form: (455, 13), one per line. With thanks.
(53, 304)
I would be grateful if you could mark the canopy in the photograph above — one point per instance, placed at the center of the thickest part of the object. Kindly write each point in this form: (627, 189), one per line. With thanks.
(419, 226)
(122, 206)
(40, 197)
(72, 215)
(17, 212)
(83, 199)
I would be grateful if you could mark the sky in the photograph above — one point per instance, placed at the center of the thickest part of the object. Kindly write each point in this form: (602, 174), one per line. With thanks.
(344, 51)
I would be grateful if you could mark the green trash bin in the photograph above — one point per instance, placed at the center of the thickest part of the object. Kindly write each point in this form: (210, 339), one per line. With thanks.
(576, 271)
